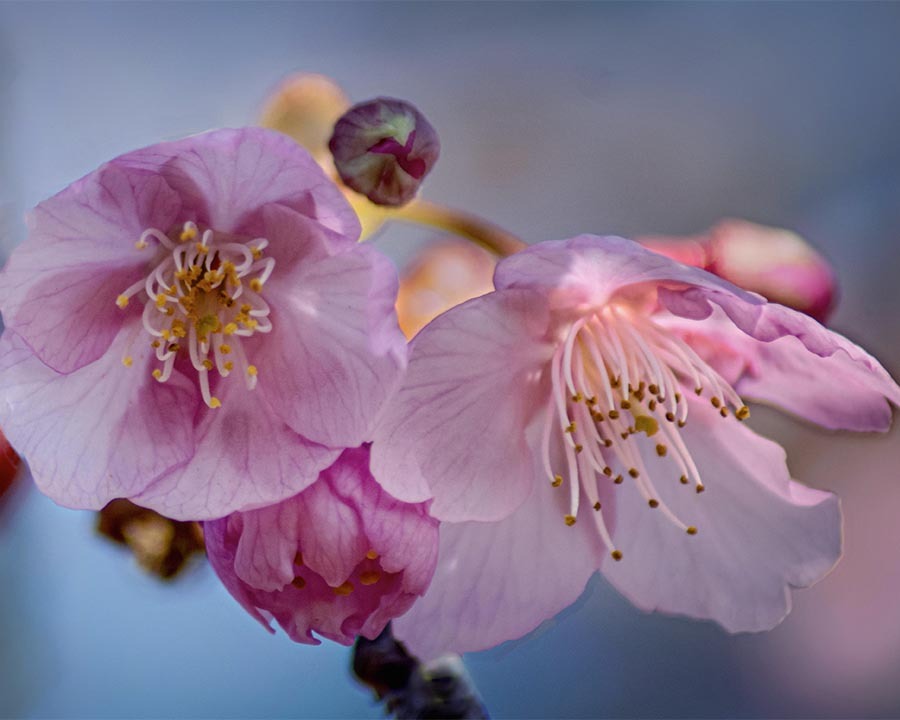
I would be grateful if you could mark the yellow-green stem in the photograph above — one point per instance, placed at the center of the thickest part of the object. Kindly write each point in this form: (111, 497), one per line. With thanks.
(471, 227)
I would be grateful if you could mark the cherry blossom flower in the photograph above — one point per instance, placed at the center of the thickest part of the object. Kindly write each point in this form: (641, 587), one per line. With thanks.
(194, 327)
(588, 415)
(776, 263)
(341, 558)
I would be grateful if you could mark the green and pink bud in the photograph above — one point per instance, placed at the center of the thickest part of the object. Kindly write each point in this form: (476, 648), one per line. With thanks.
(383, 149)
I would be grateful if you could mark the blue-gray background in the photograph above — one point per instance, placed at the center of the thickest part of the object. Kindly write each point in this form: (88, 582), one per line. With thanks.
(555, 119)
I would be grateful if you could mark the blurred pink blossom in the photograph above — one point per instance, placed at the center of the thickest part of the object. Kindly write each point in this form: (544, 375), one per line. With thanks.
(341, 559)
(778, 264)
(586, 412)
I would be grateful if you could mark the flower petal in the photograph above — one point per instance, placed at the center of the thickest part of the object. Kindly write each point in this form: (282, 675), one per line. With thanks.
(246, 457)
(102, 432)
(226, 177)
(335, 352)
(793, 361)
(589, 270)
(759, 533)
(456, 428)
(497, 581)
(80, 253)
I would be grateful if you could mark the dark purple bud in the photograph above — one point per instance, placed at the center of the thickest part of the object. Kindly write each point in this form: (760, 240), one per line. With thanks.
(383, 149)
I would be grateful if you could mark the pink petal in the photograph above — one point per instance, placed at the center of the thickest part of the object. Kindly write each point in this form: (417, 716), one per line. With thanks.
(246, 457)
(102, 432)
(759, 533)
(80, 254)
(336, 351)
(589, 270)
(497, 581)
(456, 428)
(226, 177)
(794, 362)
(348, 530)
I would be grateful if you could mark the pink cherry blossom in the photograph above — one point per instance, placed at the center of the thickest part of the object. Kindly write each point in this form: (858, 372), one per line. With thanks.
(194, 327)
(777, 263)
(341, 558)
(588, 415)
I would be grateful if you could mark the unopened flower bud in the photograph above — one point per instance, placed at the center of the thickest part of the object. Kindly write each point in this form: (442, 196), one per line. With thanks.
(383, 149)
(161, 546)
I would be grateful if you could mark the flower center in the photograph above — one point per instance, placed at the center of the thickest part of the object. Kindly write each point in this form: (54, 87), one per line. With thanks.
(618, 375)
(202, 296)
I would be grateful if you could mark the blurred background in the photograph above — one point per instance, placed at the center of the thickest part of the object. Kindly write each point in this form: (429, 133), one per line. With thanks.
(555, 119)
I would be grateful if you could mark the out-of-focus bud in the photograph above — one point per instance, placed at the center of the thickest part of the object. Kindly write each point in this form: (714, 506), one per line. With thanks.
(306, 106)
(776, 263)
(161, 546)
(383, 149)
(9, 464)
(414, 690)
(442, 276)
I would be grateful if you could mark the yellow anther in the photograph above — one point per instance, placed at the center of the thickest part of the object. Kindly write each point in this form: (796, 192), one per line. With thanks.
(155, 344)
(616, 555)
(255, 252)
(678, 397)
(345, 588)
(256, 285)
(208, 364)
(122, 301)
(691, 530)
(230, 328)
(653, 503)
(570, 520)
(715, 402)
(166, 333)
(579, 448)
(298, 559)
(246, 307)
(127, 361)
(742, 413)
(682, 423)
(661, 450)
(614, 414)
(214, 403)
(252, 371)
(633, 472)
(615, 382)
(597, 416)
(251, 323)
(626, 405)
(570, 428)
(723, 411)
(201, 248)
(372, 555)
(224, 349)
(597, 505)
(298, 582)
(161, 301)
(698, 390)
(370, 577)
(592, 400)
(228, 365)
(140, 245)
(157, 373)
(189, 233)
(577, 397)
(646, 424)
(557, 481)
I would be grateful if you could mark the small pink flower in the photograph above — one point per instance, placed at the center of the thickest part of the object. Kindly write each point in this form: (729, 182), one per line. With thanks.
(341, 559)
(193, 326)
(777, 263)
(588, 411)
